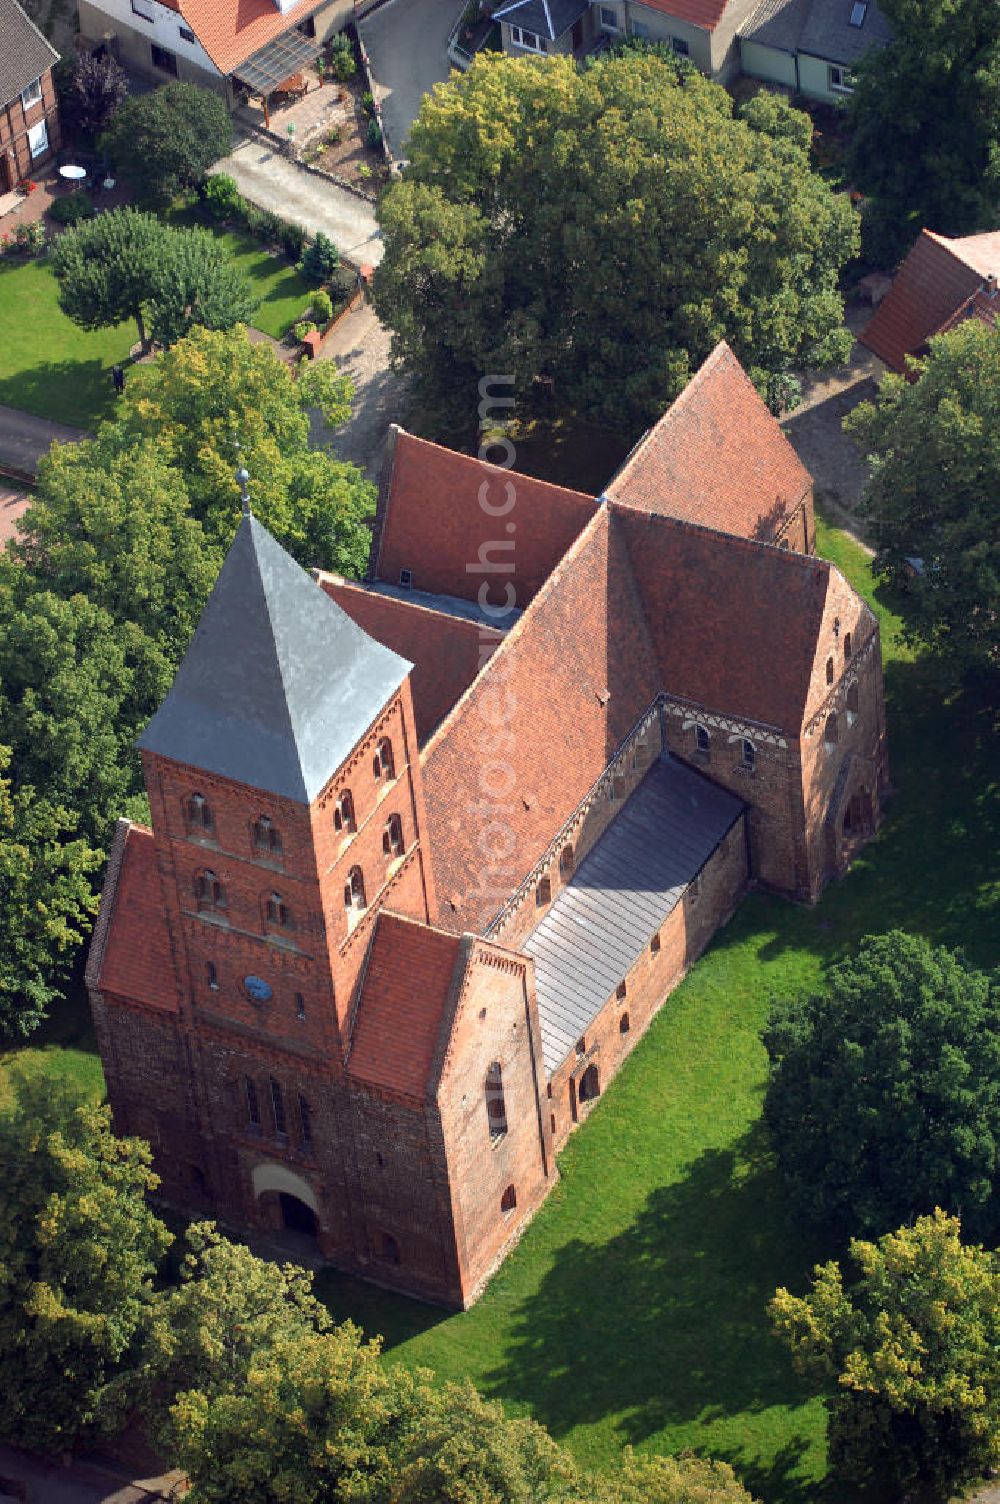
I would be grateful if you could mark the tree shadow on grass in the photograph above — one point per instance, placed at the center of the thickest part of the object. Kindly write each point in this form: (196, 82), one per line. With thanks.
(75, 392)
(666, 1324)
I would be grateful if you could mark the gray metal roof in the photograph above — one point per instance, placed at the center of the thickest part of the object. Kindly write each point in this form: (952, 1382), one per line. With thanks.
(547, 18)
(619, 897)
(24, 53)
(449, 605)
(278, 684)
(819, 28)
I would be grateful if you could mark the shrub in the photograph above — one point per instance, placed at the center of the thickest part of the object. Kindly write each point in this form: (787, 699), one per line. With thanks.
(272, 227)
(322, 307)
(343, 65)
(30, 239)
(252, 217)
(293, 239)
(334, 137)
(364, 170)
(71, 209)
(320, 260)
(302, 328)
(368, 102)
(221, 195)
(374, 133)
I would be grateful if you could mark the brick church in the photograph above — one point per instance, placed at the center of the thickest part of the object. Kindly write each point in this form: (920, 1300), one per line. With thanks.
(428, 852)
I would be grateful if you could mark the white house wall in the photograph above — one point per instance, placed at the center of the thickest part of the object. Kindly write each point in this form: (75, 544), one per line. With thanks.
(136, 36)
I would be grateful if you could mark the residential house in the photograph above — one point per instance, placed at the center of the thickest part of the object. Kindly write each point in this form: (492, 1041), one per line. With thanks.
(940, 283)
(811, 46)
(236, 47)
(703, 30)
(29, 114)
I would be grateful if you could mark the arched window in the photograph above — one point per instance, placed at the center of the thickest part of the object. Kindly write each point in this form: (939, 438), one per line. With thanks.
(831, 731)
(300, 1005)
(278, 1109)
(590, 1084)
(829, 670)
(543, 893)
(211, 976)
(382, 763)
(624, 1024)
(276, 912)
(566, 859)
(266, 836)
(253, 1105)
(392, 836)
(305, 1120)
(749, 755)
(199, 815)
(496, 1108)
(354, 890)
(508, 1201)
(389, 1248)
(343, 812)
(208, 891)
(853, 704)
(847, 646)
(702, 741)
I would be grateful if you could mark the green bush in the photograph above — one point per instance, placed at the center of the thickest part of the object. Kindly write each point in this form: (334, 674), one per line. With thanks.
(221, 195)
(368, 102)
(374, 133)
(302, 328)
(252, 217)
(293, 239)
(164, 142)
(272, 227)
(71, 209)
(343, 65)
(29, 239)
(320, 260)
(322, 307)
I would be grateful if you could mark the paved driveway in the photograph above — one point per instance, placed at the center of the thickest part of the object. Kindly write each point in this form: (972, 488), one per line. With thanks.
(407, 43)
(360, 346)
(271, 181)
(25, 438)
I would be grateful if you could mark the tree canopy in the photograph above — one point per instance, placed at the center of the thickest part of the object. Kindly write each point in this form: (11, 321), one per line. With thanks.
(925, 124)
(934, 492)
(91, 90)
(909, 1351)
(883, 1098)
(78, 1250)
(164, 142)
(128, 264)
(604, 229)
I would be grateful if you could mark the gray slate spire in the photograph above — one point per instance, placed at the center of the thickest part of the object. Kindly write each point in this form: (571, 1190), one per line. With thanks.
(278, 684)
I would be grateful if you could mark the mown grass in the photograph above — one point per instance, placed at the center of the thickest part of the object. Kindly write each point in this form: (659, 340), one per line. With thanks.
(284, 295)
(49, 366)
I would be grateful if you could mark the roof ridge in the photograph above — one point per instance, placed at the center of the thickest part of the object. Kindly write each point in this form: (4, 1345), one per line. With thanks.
(687, 525)
(473, 459)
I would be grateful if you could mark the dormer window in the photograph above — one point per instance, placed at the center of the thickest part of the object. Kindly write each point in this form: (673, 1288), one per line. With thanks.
(382, 763)
(343, 812)
(276, 913)
(266, 836)
(199, 815)
(354, 891)
(392, 837)
(209, 892)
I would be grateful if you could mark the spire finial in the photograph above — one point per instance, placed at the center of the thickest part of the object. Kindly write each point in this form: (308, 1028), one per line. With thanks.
(243, 481)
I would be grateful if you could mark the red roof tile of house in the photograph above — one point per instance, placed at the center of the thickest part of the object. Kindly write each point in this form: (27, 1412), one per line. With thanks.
(717, 457)
(446, 652)
(934, 283)
(233, 30)
(137, 961)
(435, 523)
(704, 13)
(404, 995)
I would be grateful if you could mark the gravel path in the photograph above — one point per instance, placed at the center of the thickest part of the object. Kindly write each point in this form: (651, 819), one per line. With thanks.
(271, 181)
(360, 346)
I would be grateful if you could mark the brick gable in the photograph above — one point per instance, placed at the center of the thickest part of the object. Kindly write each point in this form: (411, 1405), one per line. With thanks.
(937, 279)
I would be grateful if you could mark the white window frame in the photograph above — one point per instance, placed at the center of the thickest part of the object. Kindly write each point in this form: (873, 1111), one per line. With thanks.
(38, 139)
(32, 95)
(836, 72)
(518, 37)
(613, 25)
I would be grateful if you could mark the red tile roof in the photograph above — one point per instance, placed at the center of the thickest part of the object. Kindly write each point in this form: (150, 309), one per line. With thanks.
(704, 13)
(233, 30)
(404, 995)
(435, 524)
(717, 457)
(934, 283)
(137, 962)
(446, 652)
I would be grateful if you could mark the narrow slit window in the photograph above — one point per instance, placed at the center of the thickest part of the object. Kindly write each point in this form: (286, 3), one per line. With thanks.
(278, 1109)
(383, 764)
(253, 1105)
(392, 837)
(305, 1120)
(343, 812)
(496, 1107)
(354, 890)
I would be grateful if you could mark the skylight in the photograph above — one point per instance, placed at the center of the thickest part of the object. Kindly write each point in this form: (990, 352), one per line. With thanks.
(858, 12)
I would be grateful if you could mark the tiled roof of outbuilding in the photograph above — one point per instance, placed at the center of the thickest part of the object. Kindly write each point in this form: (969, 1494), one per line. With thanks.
(934, 283)
(704, 13)
(137, 960)
(407, 983)
(717, 457)
(24, 53)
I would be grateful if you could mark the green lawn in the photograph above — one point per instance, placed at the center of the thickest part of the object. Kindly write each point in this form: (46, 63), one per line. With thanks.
(633, 1310)
(284, 295)
(48, 366)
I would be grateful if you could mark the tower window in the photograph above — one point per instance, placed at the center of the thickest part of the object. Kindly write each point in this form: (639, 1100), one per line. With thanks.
(829, 671)
(211, 976)
(278, 1109)
(543, 893)
(654, 944)
(590, 1084)
(847, 646)
(749, 755)
(508, 1201)
(853, 704)
(266, 837)
(354, 890)
(702, 741)
(382, 763)
(392, 836)
(276, 912)
(199, 815)
(300, 1005)
(831, 731)
(253, 1105)
(343, 812)
(496, 1107)
(566, 859)
(390, 1248)
(209, 892)
(621, 992)
(624, 1024)
(305, 1120)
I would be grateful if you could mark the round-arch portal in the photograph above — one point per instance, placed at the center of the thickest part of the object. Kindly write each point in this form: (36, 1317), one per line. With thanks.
(276, 1177)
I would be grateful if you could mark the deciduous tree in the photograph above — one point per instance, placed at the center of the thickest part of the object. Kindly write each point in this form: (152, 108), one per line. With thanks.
(909, 1352)
(934, 493)
(883, 1099)
(164, 142)
(604, 229)
(91, 91)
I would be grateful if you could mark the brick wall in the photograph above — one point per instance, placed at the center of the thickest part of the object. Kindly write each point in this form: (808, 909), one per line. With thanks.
(16, 161)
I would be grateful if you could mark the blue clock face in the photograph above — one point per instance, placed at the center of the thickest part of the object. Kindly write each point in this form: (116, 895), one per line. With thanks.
(257, 988)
